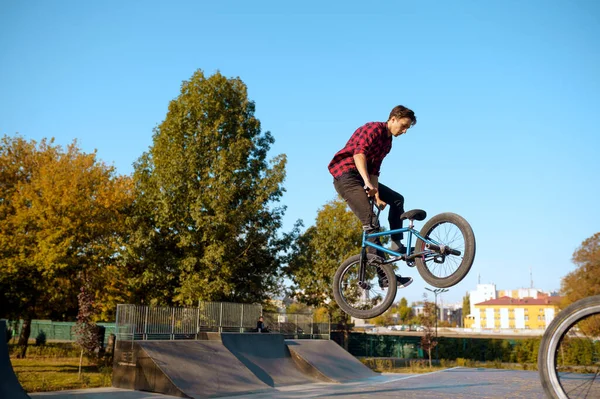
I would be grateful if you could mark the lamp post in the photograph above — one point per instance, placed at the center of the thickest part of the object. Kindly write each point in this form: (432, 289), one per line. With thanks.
(435, 293)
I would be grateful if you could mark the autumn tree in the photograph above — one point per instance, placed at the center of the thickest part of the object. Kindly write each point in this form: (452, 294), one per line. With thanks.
(61, 217)
(584, 281)
(466, 307)
(86, 331)
(428, 320)
(206, 217)
(320, 250)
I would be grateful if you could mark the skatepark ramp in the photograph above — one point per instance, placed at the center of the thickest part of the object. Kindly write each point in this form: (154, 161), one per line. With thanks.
(329, 360)
(9, 385)
(230, 364)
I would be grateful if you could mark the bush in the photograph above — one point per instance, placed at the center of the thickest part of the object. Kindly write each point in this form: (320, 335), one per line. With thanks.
(40, 339)
(464, 362)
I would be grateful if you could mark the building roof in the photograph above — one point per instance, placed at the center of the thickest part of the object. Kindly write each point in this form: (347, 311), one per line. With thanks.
(508, 301)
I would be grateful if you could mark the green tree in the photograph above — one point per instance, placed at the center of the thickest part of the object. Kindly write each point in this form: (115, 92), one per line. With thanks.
(61, 220)
(205, 221)
(405, 312)
(298, 307)
(320, 250)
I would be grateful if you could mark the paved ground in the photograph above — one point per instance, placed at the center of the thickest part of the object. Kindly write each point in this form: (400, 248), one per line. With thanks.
(453, 383)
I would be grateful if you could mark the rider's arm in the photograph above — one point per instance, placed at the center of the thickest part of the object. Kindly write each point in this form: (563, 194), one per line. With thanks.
(360, 160)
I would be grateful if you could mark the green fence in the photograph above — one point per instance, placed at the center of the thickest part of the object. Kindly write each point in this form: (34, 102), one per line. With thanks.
(409, 347)
(56, 330)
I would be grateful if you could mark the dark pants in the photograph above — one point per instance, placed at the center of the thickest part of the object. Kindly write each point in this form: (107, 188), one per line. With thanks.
(351, 187)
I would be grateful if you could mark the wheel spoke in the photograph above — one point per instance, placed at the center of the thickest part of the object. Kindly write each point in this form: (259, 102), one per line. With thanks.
(357, 297)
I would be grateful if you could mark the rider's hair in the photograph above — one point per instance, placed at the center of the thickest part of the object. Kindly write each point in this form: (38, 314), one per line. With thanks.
(401, 111)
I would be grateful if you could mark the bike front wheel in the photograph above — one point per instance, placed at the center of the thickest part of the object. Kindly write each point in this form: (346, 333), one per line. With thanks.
(569, 354)
(369, 298)
(448, 266)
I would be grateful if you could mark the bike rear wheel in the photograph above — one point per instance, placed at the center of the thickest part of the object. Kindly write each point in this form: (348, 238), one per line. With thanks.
(569, 354)
(369, 300)
(446, 269)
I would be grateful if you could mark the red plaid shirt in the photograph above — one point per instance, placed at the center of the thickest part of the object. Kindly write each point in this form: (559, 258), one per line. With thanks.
(373, 140)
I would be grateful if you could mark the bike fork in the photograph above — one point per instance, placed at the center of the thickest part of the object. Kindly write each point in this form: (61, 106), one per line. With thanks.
(362, 271)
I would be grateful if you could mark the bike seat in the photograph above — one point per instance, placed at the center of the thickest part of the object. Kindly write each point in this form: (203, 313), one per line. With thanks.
(414, 214)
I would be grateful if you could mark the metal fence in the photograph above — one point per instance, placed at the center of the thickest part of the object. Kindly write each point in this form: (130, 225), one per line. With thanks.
(298, 325)
(135, 322)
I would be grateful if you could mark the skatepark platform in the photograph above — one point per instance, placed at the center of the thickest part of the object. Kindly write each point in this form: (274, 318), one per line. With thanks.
(231, 364)
(9, 385)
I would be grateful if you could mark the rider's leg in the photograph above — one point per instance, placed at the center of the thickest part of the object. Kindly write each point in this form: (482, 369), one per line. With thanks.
(396, 202)
(350, 186)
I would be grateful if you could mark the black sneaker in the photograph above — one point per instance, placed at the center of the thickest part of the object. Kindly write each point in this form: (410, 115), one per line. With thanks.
(403, 282)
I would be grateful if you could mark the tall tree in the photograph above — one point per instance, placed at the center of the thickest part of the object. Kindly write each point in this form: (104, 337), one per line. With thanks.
(205, 221)
(428, 320)
(405, 312)
(320, 250)
(584, 281)
(61, 218)
(466, 307)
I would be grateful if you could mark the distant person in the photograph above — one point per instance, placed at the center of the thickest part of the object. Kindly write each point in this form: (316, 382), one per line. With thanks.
(260, 325)
(355, 170)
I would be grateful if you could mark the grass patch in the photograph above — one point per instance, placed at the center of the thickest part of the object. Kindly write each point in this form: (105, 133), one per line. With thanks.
(55, 367)
(41, 375)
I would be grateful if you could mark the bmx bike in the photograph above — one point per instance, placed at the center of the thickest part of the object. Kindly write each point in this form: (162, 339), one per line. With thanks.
(569, 354)
(364, 286)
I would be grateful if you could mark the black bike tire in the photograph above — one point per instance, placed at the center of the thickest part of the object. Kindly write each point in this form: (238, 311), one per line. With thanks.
(376, 311)
(468, 255)
(552, 338)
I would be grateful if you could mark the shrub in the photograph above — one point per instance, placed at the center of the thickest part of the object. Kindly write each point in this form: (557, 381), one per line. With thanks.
(40, 339)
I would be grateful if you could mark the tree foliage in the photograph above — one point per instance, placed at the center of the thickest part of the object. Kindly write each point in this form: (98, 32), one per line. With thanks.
(204, 224)
(428, 319)
(320, 250)
(466, 307)
(86, 331)
(584, 281)
(61, 216)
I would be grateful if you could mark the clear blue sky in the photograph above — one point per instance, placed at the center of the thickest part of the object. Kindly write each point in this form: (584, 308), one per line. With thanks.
(507, 96)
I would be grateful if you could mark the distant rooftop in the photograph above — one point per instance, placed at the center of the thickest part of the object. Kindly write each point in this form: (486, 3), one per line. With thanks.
(505, 300)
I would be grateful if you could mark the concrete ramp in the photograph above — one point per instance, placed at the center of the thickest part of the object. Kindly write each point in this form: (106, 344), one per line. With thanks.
(9, 384)
(329, 360)
(228, 364)
(267, 357)
(193, 369)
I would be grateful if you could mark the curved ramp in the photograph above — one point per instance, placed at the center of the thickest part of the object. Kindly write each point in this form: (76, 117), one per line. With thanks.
(9, 384)
(329, 360)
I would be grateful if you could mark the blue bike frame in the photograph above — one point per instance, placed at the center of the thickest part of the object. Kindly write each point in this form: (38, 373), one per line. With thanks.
(397, 256)
(410, 232)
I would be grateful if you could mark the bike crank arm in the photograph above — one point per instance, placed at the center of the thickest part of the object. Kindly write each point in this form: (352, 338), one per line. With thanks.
(442, 249)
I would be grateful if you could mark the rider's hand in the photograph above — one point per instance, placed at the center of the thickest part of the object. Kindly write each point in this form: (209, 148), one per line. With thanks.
(380, 204)
(370, 190)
